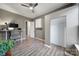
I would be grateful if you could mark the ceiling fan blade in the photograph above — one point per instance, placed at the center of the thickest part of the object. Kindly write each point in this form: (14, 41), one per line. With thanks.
(24, 5)
(36, 4)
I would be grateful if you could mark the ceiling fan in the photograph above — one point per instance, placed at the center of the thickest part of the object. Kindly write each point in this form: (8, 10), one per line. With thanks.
(31, 6)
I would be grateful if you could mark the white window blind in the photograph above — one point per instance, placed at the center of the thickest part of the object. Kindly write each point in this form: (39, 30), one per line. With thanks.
(38, 23)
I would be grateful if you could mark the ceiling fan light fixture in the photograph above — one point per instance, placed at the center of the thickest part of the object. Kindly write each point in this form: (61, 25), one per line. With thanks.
(31, 8)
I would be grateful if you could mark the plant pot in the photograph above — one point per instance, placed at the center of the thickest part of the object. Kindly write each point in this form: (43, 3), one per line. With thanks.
(8, 53)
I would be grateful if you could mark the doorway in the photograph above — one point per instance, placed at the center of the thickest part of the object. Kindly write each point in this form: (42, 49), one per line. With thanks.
(26, 28)
(57, 31)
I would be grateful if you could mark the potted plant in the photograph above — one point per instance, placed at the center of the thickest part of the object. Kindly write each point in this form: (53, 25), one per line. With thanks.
(6, 46)
(10, 44)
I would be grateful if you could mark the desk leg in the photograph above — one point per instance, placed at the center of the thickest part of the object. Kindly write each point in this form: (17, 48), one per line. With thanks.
(6, 35)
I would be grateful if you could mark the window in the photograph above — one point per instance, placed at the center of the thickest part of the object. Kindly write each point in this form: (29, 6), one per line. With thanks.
(38, 23)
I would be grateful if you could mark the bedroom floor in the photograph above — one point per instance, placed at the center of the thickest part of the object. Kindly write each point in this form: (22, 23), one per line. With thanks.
(34, 47)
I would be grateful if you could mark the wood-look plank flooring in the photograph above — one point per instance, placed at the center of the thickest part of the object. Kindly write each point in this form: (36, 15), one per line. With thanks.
(34, 47)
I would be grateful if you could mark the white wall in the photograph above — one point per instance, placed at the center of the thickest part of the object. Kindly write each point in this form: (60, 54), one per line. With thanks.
(71, 35)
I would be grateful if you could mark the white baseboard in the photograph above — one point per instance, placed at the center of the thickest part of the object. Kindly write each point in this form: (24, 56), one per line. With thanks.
(39, 39)
(47, 45)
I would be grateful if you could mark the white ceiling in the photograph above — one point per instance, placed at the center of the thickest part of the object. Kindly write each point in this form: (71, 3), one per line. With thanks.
(41, 9)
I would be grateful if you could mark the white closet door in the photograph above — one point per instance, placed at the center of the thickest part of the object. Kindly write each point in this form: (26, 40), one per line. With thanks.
(57, 30)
